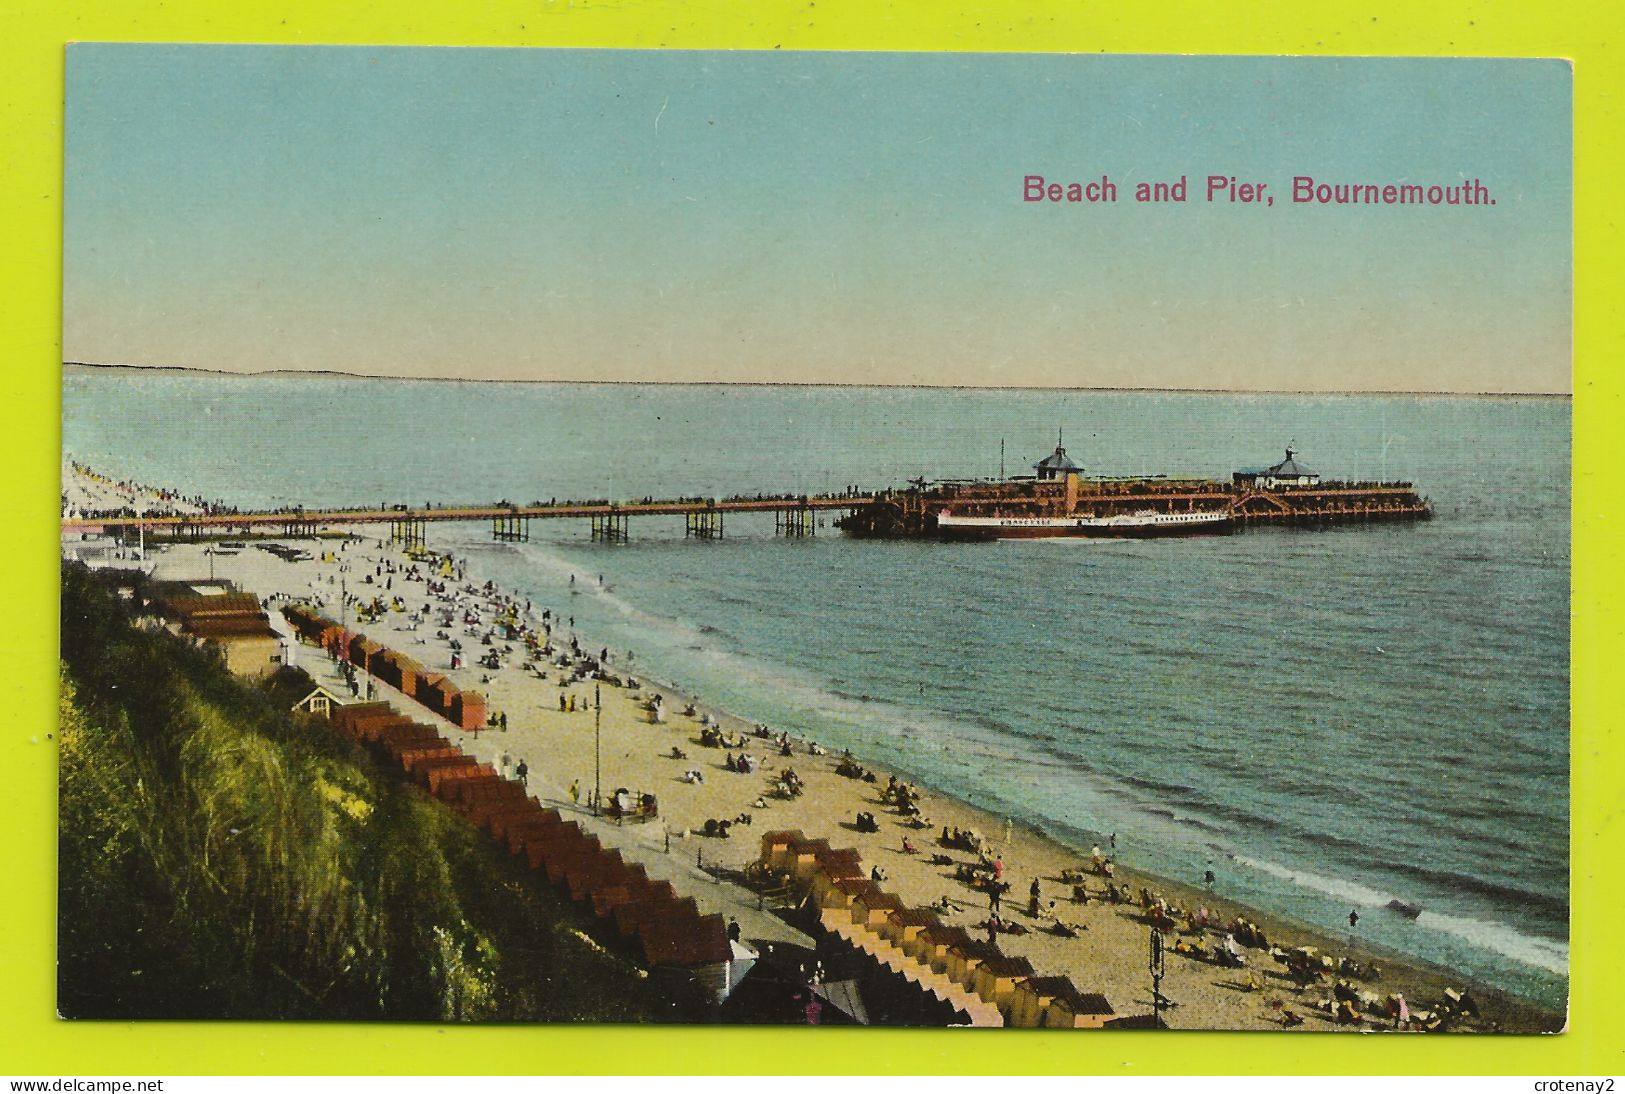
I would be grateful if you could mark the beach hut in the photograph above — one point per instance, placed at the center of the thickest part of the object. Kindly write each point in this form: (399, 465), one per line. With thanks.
(964, 958)
(634, 884)
(416, 758)
(364, 654)
(336, 641)
(563, 852)
(408, 672)
(1078, 1010)
(482, 812)
(839, 862)
(441, 778)
(873, 907)
(802, 857)
(401, 670)
(841, 894)
(995, 979)
(931, 945)
(398, 735)
(426, 761)
(468, 710)
(548, 848)
(430, 771)
(304, 620)
(379, 661)
(393, 732)
(435, 691)
(630, 918)
(487, 796)
(382, 665)
(350, 719)
(903, 925)
(776, 848)
(1033, 995)
(488, 790)
(686, 942)
(518, 828)
(590, 872)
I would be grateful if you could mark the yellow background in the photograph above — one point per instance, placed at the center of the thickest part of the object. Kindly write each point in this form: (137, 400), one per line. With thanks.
(33, 1042)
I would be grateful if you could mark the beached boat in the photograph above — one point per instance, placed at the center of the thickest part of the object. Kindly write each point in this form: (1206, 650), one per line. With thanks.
(1141, 524)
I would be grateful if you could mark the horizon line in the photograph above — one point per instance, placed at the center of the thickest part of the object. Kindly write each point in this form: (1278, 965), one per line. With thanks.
(344, 375)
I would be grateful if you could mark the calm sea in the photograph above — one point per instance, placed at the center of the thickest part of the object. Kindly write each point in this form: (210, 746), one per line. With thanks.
(1328, 720)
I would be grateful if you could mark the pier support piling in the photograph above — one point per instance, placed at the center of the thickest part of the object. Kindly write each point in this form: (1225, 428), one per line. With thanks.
(409, 532)
(795, 523)
(510, 529)
(609, 528)
(703, 524)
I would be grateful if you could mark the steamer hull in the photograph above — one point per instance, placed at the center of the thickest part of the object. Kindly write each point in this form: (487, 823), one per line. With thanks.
(1129, 526)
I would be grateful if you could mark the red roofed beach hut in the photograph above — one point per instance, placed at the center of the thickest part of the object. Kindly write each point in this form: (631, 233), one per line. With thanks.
(435, 691)
(468, 710)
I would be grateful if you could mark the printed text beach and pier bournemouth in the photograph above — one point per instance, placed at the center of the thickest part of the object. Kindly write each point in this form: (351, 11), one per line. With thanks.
(1233, 190)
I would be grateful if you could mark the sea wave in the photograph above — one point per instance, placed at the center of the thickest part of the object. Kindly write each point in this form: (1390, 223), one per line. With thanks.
(1500, 938)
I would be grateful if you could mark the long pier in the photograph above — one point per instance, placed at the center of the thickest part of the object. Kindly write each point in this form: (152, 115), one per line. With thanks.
(887, 514)
(794, 516)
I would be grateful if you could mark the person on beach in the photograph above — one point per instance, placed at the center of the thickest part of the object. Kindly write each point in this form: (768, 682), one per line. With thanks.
(1033, 896)
(522, 772)
(575, 791)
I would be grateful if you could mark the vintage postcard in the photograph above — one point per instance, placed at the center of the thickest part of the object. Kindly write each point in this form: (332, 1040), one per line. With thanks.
(1053, 541)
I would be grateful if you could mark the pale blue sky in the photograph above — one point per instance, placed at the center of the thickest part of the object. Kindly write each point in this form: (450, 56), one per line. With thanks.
(811, 217)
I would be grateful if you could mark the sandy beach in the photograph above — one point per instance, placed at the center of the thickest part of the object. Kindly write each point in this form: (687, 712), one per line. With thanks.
(1108, 954)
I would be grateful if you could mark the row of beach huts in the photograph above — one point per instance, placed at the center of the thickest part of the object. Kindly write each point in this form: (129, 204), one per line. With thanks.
(464, 709)
(665, 930)
(990, 987)
(661, 928)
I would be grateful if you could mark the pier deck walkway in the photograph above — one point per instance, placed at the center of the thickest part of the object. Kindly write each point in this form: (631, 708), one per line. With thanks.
(276, 518)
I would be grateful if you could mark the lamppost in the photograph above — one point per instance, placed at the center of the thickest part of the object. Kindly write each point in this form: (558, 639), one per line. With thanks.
(1156, 978)
(597, 743)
